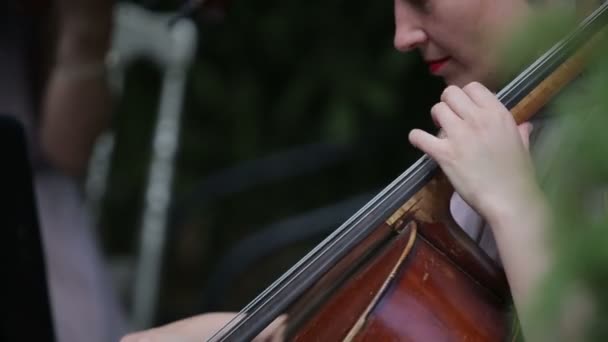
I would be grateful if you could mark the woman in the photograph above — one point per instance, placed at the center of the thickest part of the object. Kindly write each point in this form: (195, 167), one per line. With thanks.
(483, 152)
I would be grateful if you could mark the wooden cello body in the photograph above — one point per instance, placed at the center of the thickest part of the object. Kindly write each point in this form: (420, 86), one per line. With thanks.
(400, 269)
(415, 288)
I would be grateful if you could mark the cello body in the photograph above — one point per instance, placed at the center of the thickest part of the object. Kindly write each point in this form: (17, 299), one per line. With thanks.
(415, 287)
(427, 299)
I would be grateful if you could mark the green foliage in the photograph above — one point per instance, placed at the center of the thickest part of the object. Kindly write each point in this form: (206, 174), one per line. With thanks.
(532, 37)
(577, 176)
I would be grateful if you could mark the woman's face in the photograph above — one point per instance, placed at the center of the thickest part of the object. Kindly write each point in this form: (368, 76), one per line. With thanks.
(457, 38)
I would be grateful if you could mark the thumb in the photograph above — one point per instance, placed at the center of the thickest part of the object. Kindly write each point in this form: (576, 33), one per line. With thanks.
(524, 132)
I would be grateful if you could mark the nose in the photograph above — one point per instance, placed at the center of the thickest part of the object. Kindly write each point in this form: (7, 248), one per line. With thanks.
(408, 29)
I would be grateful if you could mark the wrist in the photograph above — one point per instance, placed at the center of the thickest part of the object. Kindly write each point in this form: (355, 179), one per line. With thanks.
(81, 56)
(83, 43)
(531, 205)
(79, 71)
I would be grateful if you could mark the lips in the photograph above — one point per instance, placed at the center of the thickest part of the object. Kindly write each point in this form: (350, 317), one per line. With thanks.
(436, 64)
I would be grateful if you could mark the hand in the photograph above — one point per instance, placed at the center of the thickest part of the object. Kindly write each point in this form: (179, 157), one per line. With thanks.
(482, 150)
(202, 328)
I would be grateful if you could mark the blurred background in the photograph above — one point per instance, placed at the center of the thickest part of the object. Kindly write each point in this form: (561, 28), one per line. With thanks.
(187, 154)
(241, 134)
(294, 114)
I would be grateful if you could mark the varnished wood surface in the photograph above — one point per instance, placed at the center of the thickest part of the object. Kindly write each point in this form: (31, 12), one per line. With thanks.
(340, 313)
(428, 298)
(431, 206)
(432, 300)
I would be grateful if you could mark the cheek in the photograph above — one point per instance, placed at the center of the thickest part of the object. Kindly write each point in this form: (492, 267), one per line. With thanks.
(462, 28)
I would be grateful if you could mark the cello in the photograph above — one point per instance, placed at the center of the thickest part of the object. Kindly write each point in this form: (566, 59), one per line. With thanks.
(401, 268)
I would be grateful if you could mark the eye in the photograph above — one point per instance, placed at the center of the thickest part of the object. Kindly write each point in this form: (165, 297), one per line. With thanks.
(424, 6)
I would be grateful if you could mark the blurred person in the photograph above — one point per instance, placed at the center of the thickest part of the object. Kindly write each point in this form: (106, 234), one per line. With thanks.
(53, 81)
(484, 152)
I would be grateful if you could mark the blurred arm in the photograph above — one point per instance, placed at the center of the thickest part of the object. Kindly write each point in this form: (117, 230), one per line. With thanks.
(202, 328)
(77, 103)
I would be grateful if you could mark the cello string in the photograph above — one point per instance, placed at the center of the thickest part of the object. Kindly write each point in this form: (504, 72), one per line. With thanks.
(327, 245)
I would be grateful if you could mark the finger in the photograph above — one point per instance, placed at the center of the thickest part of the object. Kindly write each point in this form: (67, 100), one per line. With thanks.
(157, 336)
(524, 131)
(275, 331)
(130, 338)
(189, 329)
(444, 117)
(459, 102)
(481, 95)
(138, 336)
(427, 143)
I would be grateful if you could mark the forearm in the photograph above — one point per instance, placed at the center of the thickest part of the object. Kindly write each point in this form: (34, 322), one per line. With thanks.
(77, 102)
(521, 232)
(76, 111)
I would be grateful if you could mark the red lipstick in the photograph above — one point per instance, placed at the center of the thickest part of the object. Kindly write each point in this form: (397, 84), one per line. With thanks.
(437, 64)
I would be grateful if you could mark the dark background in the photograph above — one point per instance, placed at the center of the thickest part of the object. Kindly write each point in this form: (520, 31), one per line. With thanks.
(292, 107)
